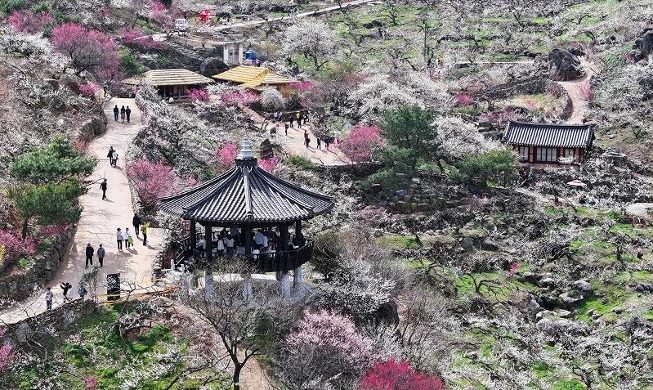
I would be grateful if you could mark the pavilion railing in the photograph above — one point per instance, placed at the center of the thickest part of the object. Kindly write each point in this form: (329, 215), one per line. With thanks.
(279, 261)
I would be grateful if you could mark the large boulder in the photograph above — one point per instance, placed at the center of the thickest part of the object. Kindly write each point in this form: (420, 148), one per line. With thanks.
(564, 66)
(212, 66)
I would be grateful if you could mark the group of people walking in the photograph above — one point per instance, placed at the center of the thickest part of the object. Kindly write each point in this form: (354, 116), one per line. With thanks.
(66, 292)
(124, 237)
(90, 251)
(125, 113)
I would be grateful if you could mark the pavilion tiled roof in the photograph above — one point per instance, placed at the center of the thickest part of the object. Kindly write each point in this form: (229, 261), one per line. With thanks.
(549, 135)
(160, 77)
(246, 194)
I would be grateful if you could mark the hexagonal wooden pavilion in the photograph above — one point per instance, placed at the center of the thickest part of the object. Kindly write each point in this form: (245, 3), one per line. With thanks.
(242, 200)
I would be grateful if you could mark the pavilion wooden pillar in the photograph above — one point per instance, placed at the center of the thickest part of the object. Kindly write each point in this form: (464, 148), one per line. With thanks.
(282, 276)
(298, 279)
(193, 236)
(247, 277)
(209, 284)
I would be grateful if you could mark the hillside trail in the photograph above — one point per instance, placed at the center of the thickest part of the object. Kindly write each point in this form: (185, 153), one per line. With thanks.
(574, 91)
(98, 223)
(293, 143)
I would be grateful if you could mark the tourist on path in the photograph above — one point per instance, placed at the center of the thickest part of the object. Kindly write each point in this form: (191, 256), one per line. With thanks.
(110, 155)
(286, 125)
(81, 290)
(319, 142)
(65, 287)
(119, 238)
(114, 158)
(136, 223)
(115, 113)
(103, 187)
(292, 118)
(128, 238)
(100, 255)
(128, 112)
(299, 119)
(48, 299)
(122, 113)
(144, 231)
(89, 254)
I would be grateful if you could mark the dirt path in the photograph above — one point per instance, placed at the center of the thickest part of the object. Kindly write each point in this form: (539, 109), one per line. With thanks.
(293, 145)
(98, 224)
(574, 88)
(293, 142)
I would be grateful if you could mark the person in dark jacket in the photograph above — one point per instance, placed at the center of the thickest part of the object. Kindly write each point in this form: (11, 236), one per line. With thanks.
(65, 287)
(122, 113)
(128, 112)
(116, 111)
(89, 254)
(103, 187)
(100, 255)
(136, 222)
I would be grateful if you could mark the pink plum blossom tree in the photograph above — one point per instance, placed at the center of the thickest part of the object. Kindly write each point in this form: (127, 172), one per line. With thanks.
(151, 181)
(361, 142)
(29, 22)
(391, 375)
(88, 50)
(325, 349)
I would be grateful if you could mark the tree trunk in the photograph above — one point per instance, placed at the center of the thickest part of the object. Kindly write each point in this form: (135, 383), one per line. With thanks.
(237, 368)
(25, 226)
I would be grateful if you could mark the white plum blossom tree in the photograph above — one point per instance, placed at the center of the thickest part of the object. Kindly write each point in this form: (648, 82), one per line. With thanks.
(312, 39)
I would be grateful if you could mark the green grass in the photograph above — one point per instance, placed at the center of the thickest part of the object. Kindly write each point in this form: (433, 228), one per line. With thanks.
(301, 162)
(401, 242)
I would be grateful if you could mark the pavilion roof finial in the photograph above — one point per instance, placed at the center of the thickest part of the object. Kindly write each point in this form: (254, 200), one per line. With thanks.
(245, 150)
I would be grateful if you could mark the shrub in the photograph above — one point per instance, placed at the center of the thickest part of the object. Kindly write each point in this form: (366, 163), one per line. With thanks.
(391, 375)
(301, 162)
(476, 171)
(151, 181)
(15, 246)
(6, 352)
(464, 100)
(271, 100)
(199, 94)
(361, 142)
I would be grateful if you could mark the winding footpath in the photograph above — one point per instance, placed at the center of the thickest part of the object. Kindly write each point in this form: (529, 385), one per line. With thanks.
(574, 91)
(98, 224)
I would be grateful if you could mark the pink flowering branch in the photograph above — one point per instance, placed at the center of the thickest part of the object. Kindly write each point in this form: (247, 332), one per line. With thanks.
(88, 50)
(199, 94)
(138, 38)
(243, 97)
(268, 164)
(226, 156)
(89, 89)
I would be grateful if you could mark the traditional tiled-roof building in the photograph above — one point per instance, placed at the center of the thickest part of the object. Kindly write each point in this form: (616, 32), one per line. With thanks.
(549, 143)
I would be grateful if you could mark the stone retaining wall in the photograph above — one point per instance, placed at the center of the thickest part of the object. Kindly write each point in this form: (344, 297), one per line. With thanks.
(49, 323)
(20, 285)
